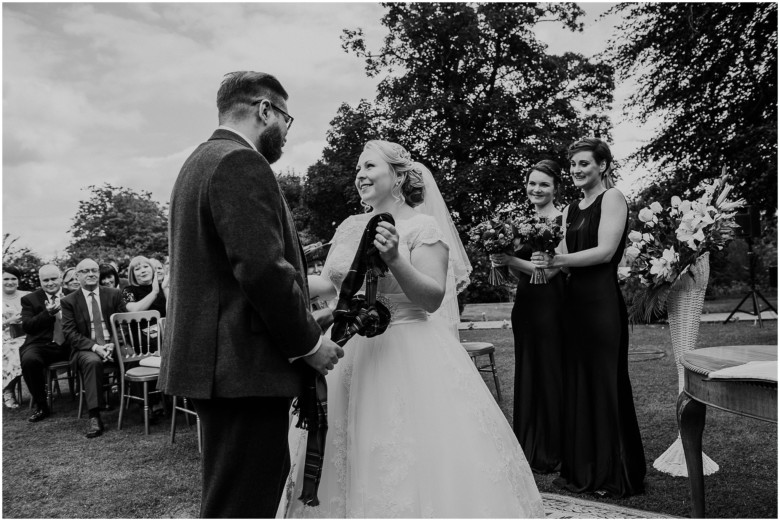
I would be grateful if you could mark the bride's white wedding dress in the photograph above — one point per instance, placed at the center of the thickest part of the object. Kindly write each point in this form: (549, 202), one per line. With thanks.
(413, 430)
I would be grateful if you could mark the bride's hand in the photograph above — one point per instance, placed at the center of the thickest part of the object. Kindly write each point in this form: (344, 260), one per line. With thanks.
(386, 241)
(542, 259)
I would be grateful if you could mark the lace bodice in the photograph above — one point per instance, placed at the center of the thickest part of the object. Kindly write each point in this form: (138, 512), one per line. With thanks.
(414, 232)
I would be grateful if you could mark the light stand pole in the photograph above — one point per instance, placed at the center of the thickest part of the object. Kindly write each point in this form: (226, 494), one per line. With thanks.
(753, 293)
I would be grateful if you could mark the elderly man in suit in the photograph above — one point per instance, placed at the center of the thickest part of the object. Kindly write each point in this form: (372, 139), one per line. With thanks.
(45, 342)
(86, 319)
(240, 315)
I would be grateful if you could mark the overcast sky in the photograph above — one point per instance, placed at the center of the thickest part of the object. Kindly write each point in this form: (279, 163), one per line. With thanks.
(122, 93)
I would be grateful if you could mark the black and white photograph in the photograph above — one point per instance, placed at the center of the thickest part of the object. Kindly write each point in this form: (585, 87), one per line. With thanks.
(366, 260)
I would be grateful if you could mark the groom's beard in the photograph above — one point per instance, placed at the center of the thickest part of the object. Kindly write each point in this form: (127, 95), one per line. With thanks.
(271, 143)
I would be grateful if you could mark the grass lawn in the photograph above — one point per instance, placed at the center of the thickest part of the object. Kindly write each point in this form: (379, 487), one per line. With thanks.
(745, 449)
(503, 310)
(51, 471)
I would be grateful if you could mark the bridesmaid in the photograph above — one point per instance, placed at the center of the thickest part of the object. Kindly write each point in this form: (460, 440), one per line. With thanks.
(536, 324)
(602, 450)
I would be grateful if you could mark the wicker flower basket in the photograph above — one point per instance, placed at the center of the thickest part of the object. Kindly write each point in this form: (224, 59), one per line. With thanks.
(685, 304)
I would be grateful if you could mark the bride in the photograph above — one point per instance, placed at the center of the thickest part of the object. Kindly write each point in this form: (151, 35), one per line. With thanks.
(413, 430)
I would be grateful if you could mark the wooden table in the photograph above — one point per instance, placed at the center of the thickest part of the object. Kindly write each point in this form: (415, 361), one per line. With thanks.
(753, 398)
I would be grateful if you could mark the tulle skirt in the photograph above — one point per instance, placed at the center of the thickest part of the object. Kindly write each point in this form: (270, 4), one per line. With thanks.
(414, 432)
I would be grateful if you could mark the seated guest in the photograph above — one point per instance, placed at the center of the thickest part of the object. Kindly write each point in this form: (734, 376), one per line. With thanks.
(108, 276)
(69, 280)
(45, 343)
(145, 290)
(86, 316)
(159, 268)
(123, 282)
(13, 335)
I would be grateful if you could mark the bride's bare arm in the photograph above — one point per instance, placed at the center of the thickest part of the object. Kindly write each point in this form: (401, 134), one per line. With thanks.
(424, 278)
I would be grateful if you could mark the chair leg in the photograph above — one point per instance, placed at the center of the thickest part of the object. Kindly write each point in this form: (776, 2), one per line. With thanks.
(173, 420)
(48, 377)
(200, 434)
(81, 393)
(187, 415)
(71, 384)
(121, 403)
(57, 387)
(495, 376)
(147, 410)
(17, 390)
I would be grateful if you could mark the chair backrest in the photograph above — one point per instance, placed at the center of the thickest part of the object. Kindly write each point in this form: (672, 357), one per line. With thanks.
(160, 332)
(136, 335)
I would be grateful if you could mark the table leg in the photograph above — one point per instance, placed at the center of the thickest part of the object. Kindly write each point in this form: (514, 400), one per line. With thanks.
(690, 420)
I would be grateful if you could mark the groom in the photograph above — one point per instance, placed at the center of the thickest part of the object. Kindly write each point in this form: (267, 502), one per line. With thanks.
(239, 315)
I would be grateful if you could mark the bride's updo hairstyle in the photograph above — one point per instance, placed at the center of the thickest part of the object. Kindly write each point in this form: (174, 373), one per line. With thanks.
(412, 187)
(600, 151)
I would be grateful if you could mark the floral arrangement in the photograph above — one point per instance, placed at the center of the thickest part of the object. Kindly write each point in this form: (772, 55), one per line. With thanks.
(493, 236)
(541, 234)
(672, 239)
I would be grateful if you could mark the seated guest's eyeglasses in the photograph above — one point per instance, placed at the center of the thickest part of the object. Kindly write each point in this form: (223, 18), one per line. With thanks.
(88, 270)
(288, 119)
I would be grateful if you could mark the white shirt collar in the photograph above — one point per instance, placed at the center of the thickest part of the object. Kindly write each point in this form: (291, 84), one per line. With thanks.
(242, 136)
(86, 293)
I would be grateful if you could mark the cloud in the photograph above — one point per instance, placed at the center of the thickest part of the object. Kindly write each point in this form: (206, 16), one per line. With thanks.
(122, 92)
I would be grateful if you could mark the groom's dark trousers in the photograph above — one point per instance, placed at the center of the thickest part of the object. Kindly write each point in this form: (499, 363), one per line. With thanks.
(239, 312)
(259, 444)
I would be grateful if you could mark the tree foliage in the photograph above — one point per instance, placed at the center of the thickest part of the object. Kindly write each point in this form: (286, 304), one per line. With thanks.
(118, 223)
(708, 73)
(24, 259)
(292, 187)
(472, 93)
(329, 191)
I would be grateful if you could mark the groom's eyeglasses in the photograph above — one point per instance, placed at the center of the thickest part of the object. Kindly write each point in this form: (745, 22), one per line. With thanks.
(288, 119)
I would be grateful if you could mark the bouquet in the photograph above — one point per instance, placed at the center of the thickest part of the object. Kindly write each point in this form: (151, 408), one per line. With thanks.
(493, 236)
(671, 239)
(541, 234)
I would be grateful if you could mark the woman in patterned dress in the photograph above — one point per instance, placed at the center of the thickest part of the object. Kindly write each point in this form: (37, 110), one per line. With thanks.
(13, 337)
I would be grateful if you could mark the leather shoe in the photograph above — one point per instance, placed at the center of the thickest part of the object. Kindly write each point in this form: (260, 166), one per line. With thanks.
(38, 415)
(95, 428)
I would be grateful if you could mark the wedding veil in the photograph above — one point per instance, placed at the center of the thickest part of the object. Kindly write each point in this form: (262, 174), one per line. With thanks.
(459, 267)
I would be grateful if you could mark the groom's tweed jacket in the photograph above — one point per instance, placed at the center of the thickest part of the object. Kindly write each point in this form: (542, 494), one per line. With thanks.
(239, 300)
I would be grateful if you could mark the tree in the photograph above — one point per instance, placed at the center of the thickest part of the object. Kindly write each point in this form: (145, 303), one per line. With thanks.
(472, 93)
(118, 223)
(708, 73)
(24, 259)
(329, 191)
(292, 187)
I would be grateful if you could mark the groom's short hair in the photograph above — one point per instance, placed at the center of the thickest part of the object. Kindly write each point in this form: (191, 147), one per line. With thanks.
(242, 88)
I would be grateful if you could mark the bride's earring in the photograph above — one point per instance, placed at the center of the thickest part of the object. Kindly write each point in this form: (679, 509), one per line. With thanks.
(396, 193)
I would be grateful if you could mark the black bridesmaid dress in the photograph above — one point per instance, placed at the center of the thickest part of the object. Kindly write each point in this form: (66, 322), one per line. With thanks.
(537, 328)
(602, 448)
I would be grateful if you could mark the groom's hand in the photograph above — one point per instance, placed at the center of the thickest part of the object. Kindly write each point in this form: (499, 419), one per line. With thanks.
(326, 357)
